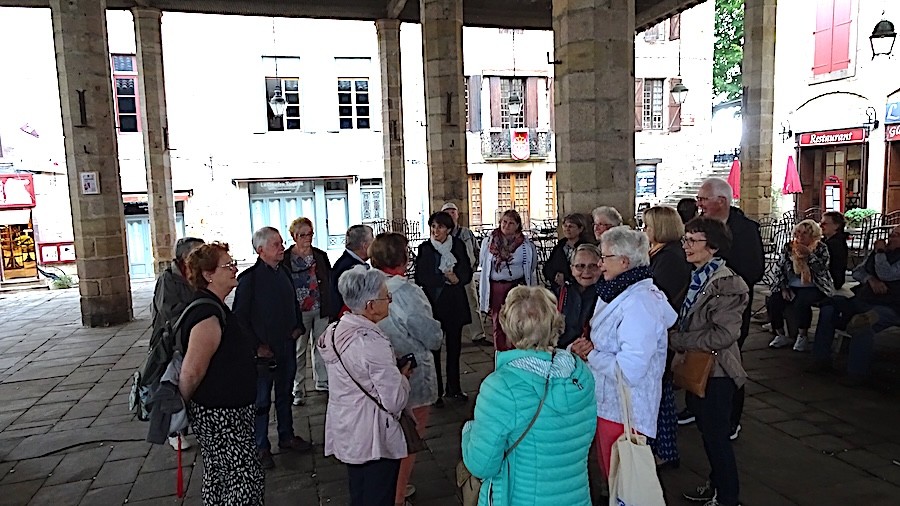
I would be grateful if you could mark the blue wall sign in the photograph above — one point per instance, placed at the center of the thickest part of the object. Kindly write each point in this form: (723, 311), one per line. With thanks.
(892, 113)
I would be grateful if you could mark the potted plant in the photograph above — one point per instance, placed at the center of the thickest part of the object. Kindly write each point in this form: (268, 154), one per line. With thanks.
(855, 217)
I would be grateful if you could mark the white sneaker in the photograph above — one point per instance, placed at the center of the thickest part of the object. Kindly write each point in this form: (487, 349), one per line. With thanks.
(780, 341)
(802, 343)
(173, 442)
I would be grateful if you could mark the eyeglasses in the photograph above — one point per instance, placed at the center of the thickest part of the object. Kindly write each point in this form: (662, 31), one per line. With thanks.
(230, 265)
(389, 298)
(605, 225)
(704, 199)
(581, 267)
(690, 241)
(310, 234)
(604, 257)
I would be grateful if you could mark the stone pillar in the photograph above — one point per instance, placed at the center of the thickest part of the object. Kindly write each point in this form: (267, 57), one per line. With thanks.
(155, 130)
(388, 31)
(757, 108)
(445, 106)
(86, 94)
(594, 101)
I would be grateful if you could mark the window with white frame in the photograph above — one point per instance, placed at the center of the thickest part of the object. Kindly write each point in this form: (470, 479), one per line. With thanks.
(290, 90)
(512, 87)
(653, 104)
(353, 103)
(125, 78)
(372, 199)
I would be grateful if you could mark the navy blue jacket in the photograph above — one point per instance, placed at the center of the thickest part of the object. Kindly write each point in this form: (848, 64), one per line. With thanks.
(265, 304)
(343, 264)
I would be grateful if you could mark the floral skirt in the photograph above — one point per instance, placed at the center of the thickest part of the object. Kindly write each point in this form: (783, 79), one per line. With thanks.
(665, 445)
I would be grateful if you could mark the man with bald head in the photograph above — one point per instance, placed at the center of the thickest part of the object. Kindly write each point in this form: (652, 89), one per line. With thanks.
(875, 307)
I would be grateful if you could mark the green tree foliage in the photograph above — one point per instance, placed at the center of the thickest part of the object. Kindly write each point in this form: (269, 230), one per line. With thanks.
(729, 49)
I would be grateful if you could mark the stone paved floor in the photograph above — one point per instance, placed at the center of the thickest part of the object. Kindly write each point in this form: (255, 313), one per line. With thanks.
(66, 436)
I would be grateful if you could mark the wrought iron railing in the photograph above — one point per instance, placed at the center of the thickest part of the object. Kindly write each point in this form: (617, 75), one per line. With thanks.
(497, 144)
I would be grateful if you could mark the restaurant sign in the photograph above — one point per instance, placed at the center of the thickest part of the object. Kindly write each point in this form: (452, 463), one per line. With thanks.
(892, 132)
(16, 191)
(846, 136)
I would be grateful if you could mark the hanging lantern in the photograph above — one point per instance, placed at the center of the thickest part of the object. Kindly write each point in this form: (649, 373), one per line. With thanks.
(277, 102)
(882, 38)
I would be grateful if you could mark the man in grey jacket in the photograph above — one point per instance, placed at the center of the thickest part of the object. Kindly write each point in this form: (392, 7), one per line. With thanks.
(473, 331)
(170, 296)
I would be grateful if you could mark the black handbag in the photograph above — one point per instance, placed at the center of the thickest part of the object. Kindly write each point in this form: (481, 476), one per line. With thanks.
(414, 442)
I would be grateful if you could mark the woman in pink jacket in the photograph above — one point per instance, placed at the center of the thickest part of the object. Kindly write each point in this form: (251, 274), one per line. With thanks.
(366, 391)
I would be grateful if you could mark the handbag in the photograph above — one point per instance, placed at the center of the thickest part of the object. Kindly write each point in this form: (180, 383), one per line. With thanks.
(414, 442)
(691, 370)
(469, 485)
(632, 471)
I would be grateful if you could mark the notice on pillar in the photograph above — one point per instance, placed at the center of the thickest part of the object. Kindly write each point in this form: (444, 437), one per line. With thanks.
(90, 183)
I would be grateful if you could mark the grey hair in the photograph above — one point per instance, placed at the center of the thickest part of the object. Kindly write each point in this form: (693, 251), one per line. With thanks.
(719, 188)
(262, 236)
(587, 248)
(360, 285)
(631, 244)
(357, 236)
(608, 212)
(185, 245)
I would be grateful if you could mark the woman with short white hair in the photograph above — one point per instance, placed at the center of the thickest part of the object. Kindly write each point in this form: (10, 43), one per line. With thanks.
(628, 332)
(534, 415)
(367, 391)
(605, 218)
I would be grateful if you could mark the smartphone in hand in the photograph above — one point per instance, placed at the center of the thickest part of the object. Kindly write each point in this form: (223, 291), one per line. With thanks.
(410, 359)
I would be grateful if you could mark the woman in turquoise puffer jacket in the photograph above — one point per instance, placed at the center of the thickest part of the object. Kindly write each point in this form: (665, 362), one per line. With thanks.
(549, 466)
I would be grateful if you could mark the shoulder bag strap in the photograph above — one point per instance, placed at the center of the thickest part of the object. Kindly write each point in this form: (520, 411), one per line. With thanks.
(361, 388)
(541, 405)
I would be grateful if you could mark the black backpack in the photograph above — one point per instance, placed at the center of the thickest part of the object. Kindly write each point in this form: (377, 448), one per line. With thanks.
(163, 344)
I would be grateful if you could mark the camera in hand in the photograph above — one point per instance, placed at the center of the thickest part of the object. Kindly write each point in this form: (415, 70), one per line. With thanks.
(265, 365)
(410, 359)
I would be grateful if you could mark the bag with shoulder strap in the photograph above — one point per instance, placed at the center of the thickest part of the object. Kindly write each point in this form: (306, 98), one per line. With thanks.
(469, 485)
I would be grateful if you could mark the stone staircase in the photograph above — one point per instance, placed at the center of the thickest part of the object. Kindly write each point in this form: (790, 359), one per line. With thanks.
(688, 189)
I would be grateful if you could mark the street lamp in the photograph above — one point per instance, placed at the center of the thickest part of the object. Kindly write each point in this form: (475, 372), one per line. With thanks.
(277, 102)
(882, 38)
(679, 93)
(515, 104)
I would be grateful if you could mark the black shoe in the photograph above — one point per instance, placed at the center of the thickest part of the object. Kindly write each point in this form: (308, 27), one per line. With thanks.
(296, 443)
(703, 493)
(685, 417)
(439, 403)
(482, 342)
(265, 458)
(459, 396)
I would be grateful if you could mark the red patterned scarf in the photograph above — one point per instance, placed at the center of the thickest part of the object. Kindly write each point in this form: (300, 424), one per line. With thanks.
(503, 248)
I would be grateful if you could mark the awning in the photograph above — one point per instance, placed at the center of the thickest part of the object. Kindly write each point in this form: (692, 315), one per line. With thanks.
(285, 179)
(132, 198)
(15, 217)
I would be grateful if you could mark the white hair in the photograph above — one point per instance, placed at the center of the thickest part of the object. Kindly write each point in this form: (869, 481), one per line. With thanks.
(359, 285)
(610, 213)
(358, 236)
(631, 244)
(719, 188)
(262, 236)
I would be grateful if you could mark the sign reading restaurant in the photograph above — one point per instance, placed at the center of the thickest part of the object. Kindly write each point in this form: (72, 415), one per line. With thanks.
(846, 136)
(892, 132)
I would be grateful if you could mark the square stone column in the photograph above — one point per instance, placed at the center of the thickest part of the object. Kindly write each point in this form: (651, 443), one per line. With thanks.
(89, 127)
(757, 108)
(594, 101)
(445, 106)
(155, 130)
(388, 31)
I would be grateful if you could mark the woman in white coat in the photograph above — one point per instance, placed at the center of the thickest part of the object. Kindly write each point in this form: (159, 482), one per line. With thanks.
(628, 332)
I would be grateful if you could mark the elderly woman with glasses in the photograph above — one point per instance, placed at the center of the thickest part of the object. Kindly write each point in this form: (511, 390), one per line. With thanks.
(802, 279)
(541, 396)
(557, 270)
(628, 333)
(366, 392)
(577, 300)
(605, 218)
(710, 321)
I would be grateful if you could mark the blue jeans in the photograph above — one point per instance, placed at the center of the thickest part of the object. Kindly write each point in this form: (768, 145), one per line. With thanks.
(713, 414)
(863, 342)
(282, 379)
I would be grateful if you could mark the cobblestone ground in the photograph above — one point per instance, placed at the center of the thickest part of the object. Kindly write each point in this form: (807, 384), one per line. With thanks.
(66, 436)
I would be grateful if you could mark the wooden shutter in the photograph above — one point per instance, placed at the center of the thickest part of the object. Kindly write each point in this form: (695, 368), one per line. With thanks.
(822, 36)
(474, 119)
(551, 97)
(674, 108)
(638, 105)
(495, 102)
(675, 27)
(531, 102)
(840, 35)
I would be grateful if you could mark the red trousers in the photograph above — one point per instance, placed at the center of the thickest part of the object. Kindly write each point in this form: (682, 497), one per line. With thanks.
(607, 434)
(497, 293)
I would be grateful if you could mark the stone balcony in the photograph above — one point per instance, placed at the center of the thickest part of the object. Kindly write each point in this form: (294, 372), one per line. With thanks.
(496, 144)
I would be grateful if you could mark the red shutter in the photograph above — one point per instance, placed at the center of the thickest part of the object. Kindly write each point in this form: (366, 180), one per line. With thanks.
(474, 120)
(551, 98)
(822, 35)
(638, 105)
(675, 27)
(840, 36)
(531, 102)
(674, 108)
(495, 102)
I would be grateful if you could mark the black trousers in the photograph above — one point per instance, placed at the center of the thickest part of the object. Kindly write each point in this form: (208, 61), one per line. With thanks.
(453, 333)
(373, 483)
(712, 414)
(737, 406)
(803, 301)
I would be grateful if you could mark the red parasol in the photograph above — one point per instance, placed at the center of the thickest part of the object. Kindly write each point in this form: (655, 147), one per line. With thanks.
(791, 178)
(734, 178)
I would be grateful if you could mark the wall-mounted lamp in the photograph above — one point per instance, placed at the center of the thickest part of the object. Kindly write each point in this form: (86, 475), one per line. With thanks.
(679, 93)
(786, 132)
(882, 38)
(871, 122)
(277, 102)
(515, 104)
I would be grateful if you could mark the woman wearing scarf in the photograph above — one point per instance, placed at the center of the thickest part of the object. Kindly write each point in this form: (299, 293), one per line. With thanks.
(710, 320)
(802, 280)
(443, 271)
(628, 332)
(508, 259)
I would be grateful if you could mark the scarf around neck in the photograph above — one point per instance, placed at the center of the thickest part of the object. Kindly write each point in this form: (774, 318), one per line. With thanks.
(445, 250)
(502, 248)
(699, 278)
(609, 290)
